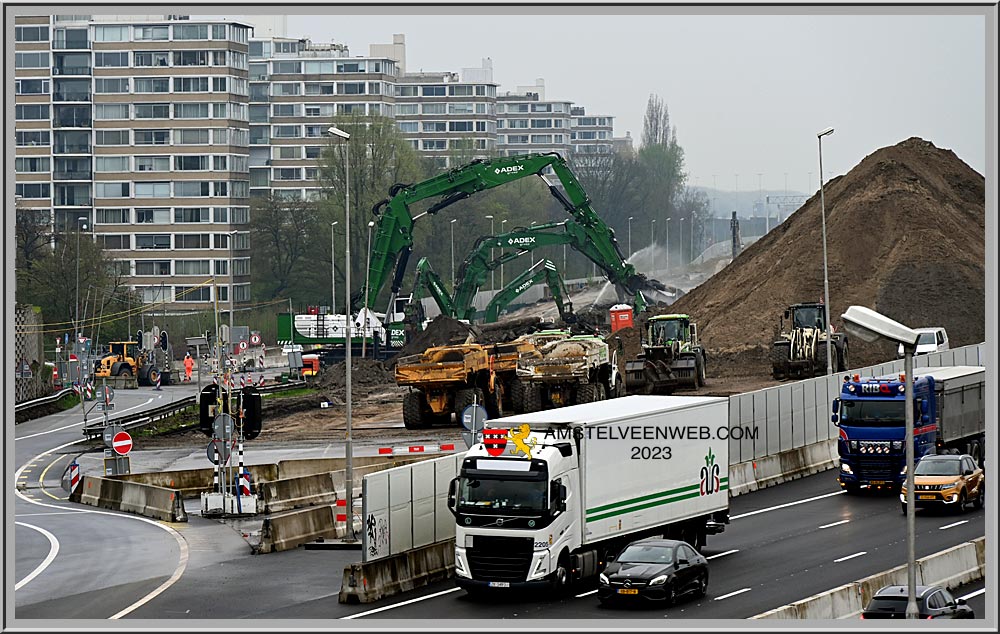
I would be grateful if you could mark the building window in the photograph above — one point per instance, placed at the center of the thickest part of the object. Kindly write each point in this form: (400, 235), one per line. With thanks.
(149, 137)
(111, 164)
(460, 126)
(111, 60)
(112, 137)
(110, 111)
(152, 111)
(241, 215)
(220, 163)
(191, 214)
(192, 294)
(220, 214)
(435, 126)
(513, 139)
(152, 241)
(408, 126)
(218, 31)
(152, 190)
(286, 89)
(541, 123)
(31, 164)
(192, 267)
(287, 151)
(351, 67)
(107, 216)
(191, 136)
(313, 88)
(311, 173)
(190, 110)
(435, 144)
(104, 33)
(460, 91)
(403, 109)
(33, 190)
(111, 190)
(31, 112)
(350, 88)
(286, 110)
(32, 138)
(190, 31)
(286, 131)
(219, 84)
(191, 189)
(146, 33)
(31, 34)
(152, 267)
(192, 241)
(433, 91)
(31, 87)
(31, 60)
(286, 174)
(541, 138)
(286, 68)
(111, 85)
(152, 215)
(114, 241)
(434, 108)
(191, 162)
(460, 108)
(151, 58)
(190, 58)
(191, 84)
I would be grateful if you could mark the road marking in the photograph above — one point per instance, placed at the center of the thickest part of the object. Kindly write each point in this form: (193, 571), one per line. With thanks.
(781, 506)
(44, 514)
(53, 551)
(585, 594)
(41, 479)
(731, 594)
(835, 524)
(863, 552)
(974, 593)
(400, 604)
(52, 431)
(728, 552)
(959, 523)
(181, 543)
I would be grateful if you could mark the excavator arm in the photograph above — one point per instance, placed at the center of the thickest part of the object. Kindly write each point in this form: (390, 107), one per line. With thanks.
(394, 236)
(543, 271)
(427, 282)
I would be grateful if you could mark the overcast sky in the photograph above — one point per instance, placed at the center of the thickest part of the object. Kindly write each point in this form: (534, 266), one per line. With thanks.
(746, 93)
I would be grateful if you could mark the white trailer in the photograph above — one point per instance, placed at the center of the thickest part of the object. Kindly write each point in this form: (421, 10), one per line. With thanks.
(548, 496)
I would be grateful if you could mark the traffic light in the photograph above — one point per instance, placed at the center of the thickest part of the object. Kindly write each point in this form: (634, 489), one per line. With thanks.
(164, 343)
(252, 412)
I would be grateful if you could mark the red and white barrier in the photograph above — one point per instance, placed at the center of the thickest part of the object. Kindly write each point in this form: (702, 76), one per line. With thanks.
(415, 449)
(74, 475)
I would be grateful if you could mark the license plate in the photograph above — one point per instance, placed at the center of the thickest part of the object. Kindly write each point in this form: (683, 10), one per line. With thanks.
(877, 482)
(926, 497)
(499, 584)
(627, 591)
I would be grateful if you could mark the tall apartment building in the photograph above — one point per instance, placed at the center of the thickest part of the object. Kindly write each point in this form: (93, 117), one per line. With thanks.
(140, 130)
(528, 124)
(296, 88)
(591, 134)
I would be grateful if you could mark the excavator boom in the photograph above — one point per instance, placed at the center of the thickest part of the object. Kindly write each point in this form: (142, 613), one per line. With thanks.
(543, 271)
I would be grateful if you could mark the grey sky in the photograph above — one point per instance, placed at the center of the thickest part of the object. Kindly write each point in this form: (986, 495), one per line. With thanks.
(746, 93)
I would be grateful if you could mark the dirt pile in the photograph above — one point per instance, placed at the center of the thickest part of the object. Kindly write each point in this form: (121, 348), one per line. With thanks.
(510, 329)
(364, 373)
(905, 237)
(442, 331)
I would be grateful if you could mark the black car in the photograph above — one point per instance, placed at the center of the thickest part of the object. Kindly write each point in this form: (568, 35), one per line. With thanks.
(654, 570)
(933, 602)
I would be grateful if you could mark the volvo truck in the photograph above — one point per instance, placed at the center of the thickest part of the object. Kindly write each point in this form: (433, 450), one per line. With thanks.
(545, 498)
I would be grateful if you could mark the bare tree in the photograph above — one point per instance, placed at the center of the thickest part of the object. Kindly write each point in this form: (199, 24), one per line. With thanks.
(282, 233)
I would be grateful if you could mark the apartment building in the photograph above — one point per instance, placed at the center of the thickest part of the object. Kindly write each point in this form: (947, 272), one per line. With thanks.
(528, 124)
(137, 128)
(591, 134)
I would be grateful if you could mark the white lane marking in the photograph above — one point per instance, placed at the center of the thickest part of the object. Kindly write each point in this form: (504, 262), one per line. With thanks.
(70, 426)
(781, 506)
(732, 594)
(585, 594)
(181, 544)
(835, 524)
(53, 551)
(728, 552)
(400, 604)
(959, 523)
(43, 514)
(863, 552)
(974, 593)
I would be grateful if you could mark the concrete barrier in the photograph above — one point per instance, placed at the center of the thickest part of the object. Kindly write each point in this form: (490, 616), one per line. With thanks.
(132, 497)
(949, 568)
(788, 465)
(292, 529)
(193, 482)
(293, 493)
(368, 582)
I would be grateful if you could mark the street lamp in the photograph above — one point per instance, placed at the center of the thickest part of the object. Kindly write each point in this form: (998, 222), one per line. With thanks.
(364, 323)
(76, 307)
(333, 270)
(232, 281)
(493, 273)
(630, 237)
(680, 241)
(452, 223)
(502, 222)
(334, 131)
(652, 245)
(666, 239)
(870, 326)
(826, 279)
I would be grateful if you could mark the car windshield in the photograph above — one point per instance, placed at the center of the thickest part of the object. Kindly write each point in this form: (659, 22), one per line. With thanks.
(647, 554)
(938, 468)
(926, 337)
(873, 413)
(487, 494)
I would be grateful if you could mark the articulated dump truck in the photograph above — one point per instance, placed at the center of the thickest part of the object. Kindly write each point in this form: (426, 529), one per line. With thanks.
(577, 369)
(447, 379)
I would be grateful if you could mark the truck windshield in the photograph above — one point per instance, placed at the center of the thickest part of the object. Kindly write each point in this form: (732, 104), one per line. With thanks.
(666, 331)
(926, 337)
(873, 413)
(486, 495)
(808, 318)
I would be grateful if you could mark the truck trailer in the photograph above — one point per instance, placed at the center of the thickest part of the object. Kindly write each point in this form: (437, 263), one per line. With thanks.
(548, 496)
(949, 417)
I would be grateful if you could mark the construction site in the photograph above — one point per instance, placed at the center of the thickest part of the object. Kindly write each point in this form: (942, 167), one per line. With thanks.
(905, 234)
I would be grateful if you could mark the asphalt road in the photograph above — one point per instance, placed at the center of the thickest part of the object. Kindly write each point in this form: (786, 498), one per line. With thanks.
(784, 543)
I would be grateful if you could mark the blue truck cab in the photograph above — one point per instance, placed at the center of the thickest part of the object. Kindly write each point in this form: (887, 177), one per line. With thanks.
(948, 417)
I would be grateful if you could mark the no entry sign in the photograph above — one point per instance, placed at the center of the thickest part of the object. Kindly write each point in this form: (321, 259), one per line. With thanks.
(122, 443)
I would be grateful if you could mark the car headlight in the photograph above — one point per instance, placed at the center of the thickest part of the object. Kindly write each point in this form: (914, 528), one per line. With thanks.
(853, 445)
(846, 468)
(658, 581)
(603, 578)
(897, 445)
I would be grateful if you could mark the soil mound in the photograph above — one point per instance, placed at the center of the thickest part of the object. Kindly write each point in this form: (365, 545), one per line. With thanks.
(441, 331)
(905, 237)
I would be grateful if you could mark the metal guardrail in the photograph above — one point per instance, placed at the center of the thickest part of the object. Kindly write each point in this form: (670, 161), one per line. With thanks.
(150, 416)
(45, 400)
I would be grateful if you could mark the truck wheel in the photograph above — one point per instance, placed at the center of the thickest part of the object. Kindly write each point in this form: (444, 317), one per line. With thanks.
(560, 578)
(843, 359)
(152, 374)
(586, 393)
(466, 397)
(779, 358)
(699, 372)
(819, 367)
(517, 395)
(493, 402)
(532, 399)
(413, 404)
(125, 372)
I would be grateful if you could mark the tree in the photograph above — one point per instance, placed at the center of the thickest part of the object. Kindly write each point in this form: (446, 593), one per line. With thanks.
(283, 233)
(32, 235)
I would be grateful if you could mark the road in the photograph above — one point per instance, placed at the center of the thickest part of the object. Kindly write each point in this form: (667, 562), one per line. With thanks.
(784, 543)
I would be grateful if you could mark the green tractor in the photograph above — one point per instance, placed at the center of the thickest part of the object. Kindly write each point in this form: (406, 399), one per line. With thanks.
(671, 357)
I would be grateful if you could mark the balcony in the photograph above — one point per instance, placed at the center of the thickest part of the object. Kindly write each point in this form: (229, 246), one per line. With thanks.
(71, 121)
(71, 70)
(71, 95)
(72, 175)
(74, 201)
(72, 148)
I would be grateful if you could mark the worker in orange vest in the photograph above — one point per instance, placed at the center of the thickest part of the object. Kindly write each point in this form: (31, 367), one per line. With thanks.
(188, 367)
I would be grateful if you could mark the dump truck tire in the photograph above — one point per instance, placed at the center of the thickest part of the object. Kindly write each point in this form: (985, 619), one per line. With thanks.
(587, 393)
(468, 396)
(819, 367)
(517, 395)
(699, 371)
(779, 358)
(413, 405)
(532, 399)
(843, 362)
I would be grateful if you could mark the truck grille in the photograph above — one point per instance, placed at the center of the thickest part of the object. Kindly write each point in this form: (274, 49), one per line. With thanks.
(878, 467)
(500, 558)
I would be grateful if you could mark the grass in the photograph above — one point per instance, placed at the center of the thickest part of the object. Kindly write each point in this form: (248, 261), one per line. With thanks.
(302, 391)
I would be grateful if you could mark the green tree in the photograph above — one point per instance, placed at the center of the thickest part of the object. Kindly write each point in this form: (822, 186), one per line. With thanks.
(283, 235)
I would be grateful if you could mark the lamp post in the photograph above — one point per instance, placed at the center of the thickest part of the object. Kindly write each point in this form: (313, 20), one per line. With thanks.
(666, 240)
(680, 241)
(826, 279)
(652, 245)
(364, 322)
(452, 223)
(869, 326)
(630, 237)
(348, 446)
(493, 273)
(333, 270)
(232, 280)
(76, 306)
(502, 223)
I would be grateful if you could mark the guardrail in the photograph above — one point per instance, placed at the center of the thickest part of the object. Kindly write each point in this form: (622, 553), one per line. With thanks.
(150, 416)
(20, 408)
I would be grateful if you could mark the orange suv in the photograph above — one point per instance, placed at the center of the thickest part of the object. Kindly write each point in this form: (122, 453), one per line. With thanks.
(946, 481)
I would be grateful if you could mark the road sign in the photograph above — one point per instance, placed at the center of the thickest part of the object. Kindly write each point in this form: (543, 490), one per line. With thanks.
(243, 345)
(122, 443)
(107, 392)
(473, 417)
(105, 407)
(255, 339)
(222, 426)
(219, 449)
(110, 432)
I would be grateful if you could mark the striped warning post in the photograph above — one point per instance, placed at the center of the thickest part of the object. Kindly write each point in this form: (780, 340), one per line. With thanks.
(157, 380)
(260, 383)
(74, 475)
(415, 449)
(215, 472)
(244, 482)
(243, 381)
(341, 511)
(215, 380)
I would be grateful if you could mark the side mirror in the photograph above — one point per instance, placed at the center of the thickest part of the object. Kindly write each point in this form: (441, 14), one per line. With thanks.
(682, 562)
(923, 406)
(452, 501)
(967, 472)
(960, 602)
(925, 419)
(787, 314)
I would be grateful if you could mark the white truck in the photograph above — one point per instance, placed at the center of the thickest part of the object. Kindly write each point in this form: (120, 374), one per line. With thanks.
(547, 496)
